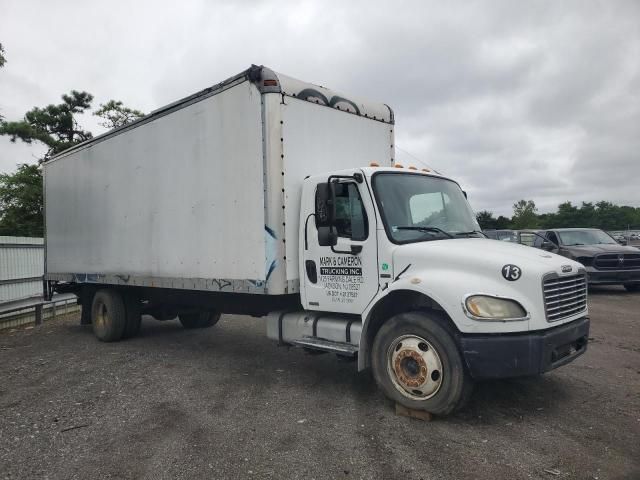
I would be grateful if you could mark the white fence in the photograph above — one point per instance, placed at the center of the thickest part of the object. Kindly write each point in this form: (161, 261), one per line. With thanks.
(21, 267)
(21, 271)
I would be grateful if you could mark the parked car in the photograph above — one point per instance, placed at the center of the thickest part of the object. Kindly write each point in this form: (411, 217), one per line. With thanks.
(527, 237)
(606, 262)
(502, 235)
(513, 236)
(620, 239)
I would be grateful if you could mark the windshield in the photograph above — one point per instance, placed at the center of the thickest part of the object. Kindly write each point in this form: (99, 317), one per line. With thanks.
(585, 237)
(420, 207)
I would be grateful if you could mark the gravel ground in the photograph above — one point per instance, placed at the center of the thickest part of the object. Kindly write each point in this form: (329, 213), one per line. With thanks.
(228, 403)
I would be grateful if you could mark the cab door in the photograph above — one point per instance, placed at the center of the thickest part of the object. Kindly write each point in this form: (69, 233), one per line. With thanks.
(342, 278)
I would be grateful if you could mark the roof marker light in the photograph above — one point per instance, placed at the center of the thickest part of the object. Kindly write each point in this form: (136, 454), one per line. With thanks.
(411, 167)
(426, 170)
(397, 165)
(374, 164)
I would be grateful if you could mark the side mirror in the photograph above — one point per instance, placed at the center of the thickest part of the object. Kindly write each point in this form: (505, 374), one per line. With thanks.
(325, 205)
(548, 246)
(327, 236)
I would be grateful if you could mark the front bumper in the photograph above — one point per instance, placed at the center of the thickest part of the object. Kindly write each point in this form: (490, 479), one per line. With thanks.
(524, 354)
(612, 277)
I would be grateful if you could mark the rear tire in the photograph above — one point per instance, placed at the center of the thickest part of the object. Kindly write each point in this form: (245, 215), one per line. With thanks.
(632, 287)
(199, 319)
(108, 315)
(416, 363)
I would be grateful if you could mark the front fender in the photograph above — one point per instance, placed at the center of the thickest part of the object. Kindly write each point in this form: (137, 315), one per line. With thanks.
(447, 288)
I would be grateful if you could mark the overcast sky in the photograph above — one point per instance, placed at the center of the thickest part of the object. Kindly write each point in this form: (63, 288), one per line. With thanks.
(536, 100)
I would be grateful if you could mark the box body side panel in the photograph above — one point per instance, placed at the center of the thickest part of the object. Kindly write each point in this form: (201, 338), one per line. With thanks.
(179, 197)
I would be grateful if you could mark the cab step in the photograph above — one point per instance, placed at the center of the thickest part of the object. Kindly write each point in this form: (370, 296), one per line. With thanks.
(327, 346)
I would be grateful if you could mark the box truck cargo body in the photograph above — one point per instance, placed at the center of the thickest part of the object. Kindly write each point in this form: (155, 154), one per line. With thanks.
(278, 198)
(195, 196)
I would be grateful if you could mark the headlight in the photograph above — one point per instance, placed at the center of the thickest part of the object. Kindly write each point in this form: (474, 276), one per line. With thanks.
(493, 308)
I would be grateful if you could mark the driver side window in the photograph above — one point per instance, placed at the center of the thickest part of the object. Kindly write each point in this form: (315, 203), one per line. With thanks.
(351, 217)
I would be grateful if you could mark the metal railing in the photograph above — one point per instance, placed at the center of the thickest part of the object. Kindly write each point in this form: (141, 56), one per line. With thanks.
(35, 310)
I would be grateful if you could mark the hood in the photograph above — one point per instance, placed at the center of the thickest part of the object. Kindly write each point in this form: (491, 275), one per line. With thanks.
(587, 250)
(485, 252)
(449, 270)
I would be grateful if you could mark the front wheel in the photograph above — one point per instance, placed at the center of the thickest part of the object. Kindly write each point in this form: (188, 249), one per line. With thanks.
(199, 319)
(632, 287)
(417, 364)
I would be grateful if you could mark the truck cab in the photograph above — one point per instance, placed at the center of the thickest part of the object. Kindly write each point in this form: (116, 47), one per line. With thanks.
(399, 254)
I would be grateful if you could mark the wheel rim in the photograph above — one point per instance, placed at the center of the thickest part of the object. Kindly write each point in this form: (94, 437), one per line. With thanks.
(415, 367)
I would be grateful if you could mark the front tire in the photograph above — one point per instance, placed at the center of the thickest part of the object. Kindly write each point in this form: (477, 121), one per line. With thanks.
(108, 315)
(632, 287)
(417, 364)
(199, 319)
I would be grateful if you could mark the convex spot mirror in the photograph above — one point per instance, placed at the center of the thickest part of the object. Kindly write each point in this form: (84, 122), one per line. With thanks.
(325, 205)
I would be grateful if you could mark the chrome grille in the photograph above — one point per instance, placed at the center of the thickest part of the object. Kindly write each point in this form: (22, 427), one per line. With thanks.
(564, 296)
(617, 261)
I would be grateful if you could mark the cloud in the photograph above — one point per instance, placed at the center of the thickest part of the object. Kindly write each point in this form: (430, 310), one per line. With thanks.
(536, 100)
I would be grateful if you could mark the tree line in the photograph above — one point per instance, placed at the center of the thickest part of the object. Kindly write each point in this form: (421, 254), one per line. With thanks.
(603, 214)
(56, 127)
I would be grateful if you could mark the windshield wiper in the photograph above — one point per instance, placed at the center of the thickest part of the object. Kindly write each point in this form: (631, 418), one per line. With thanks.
(574, 244)
(471, 233)
(426, 229)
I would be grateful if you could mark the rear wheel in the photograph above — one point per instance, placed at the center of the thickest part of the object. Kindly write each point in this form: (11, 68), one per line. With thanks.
(417, 364)
(632, 287)
(108, 315)
(199, 319)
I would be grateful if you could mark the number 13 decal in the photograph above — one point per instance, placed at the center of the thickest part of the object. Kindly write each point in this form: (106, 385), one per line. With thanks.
(511, 272)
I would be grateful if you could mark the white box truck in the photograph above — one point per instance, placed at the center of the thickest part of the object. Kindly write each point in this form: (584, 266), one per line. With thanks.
(268, 196)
